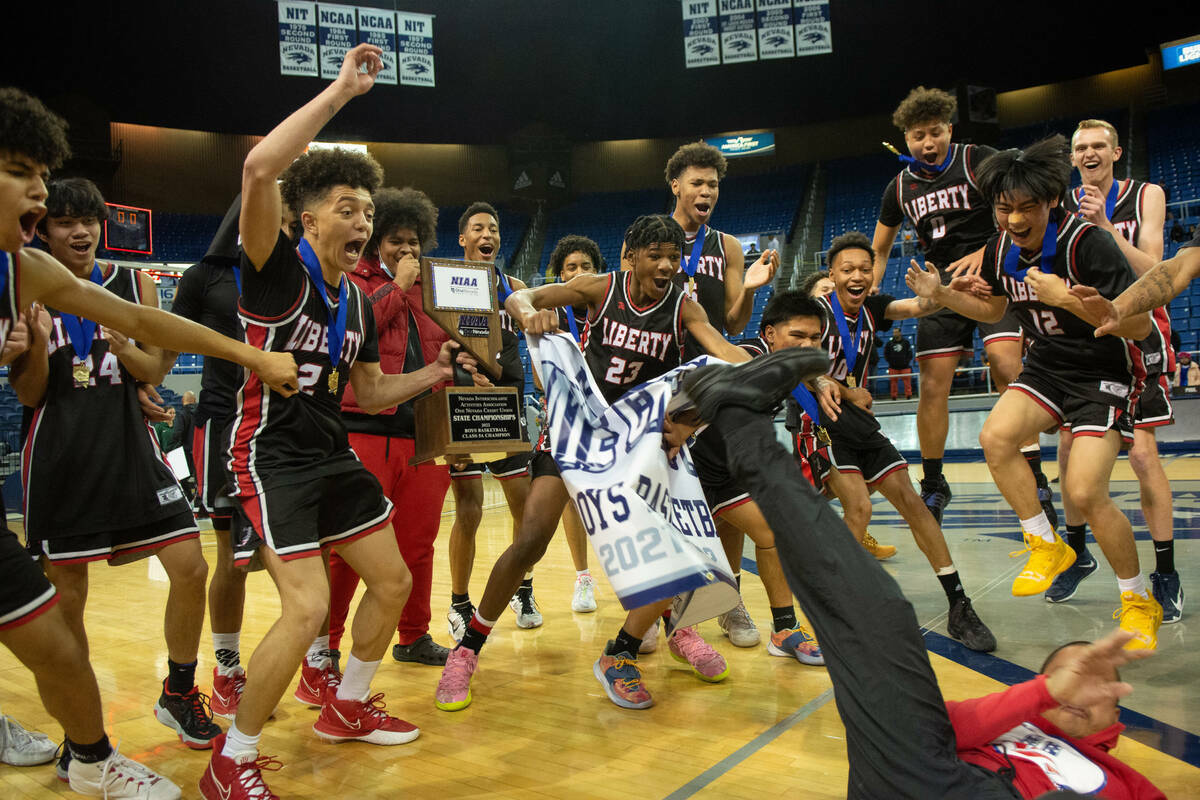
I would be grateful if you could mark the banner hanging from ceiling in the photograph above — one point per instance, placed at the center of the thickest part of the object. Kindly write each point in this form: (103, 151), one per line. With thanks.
(315, 37)
(813, 33)
(338, 31)
(298, 38)
(379, 28)
(414, 41)
(739, 42)
(701, 40)
(775, 29)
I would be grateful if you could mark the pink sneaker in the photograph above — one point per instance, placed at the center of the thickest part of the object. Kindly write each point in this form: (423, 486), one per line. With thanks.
(317, 684)
(454, 687)
(688, 646)
(622, 680)
(226, 693)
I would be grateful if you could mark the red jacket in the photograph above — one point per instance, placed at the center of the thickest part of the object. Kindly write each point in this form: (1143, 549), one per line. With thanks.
(392, 307)
(1007, 728)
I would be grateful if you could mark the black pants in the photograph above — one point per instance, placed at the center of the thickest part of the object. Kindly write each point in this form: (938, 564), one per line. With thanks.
(899, 740)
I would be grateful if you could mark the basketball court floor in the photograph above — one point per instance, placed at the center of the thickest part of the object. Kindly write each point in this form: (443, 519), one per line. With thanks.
(541, 727)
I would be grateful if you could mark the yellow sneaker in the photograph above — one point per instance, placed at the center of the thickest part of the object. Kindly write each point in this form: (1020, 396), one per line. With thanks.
(1046, 560)
(880, 551)
(1142, 616)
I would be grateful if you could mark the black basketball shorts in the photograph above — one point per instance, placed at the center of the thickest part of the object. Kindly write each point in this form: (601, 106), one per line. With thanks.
(946, 333)
(120, 546)
(1153, 408)
(1089, 407)
(297, 520)
(502, 469)
(208, 447)
(25, 593)
(721, 491)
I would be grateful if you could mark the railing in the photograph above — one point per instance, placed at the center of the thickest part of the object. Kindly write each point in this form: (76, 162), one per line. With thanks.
(988, 388)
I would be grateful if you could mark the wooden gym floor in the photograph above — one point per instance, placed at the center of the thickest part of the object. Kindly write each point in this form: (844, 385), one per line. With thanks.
(541, 727)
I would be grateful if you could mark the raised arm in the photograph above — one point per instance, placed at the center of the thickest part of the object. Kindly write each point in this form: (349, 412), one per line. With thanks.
(45, 280)
(881, 243)
(927, 284)
(709, 338)
(741, 283)
(262, 207)
(535, 310)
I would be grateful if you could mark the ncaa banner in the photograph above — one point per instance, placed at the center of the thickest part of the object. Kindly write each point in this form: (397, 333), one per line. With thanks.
(338, 30)
(414, 44)
(379, 28)
(738, 40)
(701, 42)
(644, 514)
(813, 34)
(298, 38)
(775, 29)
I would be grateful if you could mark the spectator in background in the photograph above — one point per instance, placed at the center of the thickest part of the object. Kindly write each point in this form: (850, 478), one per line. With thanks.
(899, 354)
(753, 250)
(1187, 372)
(1178, 234)
(907, 240)
(774, 243)
(166, 432)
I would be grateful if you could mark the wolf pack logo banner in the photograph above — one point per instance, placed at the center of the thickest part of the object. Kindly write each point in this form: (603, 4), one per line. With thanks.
(298, 38)
(775, 29)
(645, 515)
(701, 41)
(379, 28)
(414, 42)
(738, 40)
(338, 30)
(813, 34)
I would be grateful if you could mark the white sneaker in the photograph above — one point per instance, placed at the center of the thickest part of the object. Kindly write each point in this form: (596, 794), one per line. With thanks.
(118, 776)
(585, 594)
(526, 609)
(650, 642)
(739, 627)
(23, 748)
(457, 622)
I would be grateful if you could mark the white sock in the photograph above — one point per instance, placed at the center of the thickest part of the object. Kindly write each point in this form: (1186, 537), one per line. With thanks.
(1039, 526)
(1136, 584)
(317, 652)
(946, 570)
(356, 680)
(579, 573)
(240, 746)
(528, 576)
(227, 649)
(1032, 448)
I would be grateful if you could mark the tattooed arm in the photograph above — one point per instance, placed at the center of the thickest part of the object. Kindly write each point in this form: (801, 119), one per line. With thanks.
(1159, 286)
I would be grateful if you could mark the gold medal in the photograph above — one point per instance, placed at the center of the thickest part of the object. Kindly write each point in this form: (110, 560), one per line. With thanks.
(333, 381)
(822, 435)
(82, 374)
(851, 382)
(691, 286)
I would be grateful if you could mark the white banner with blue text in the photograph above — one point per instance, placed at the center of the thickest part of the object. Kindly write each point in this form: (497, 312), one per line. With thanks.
(298, 38)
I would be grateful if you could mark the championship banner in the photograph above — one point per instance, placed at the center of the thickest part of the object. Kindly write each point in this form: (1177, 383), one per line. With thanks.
(813, 34)
(298, 38)
(701, 42)
(379, 28)
(738, 40)
(645, 515)
(338, 31)
(775, 29)
(414, 43)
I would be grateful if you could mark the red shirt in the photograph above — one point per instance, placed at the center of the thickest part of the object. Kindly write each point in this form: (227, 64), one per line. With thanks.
(1007, 729)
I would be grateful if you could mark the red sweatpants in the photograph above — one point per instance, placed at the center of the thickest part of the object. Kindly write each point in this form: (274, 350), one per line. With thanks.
(417, 494)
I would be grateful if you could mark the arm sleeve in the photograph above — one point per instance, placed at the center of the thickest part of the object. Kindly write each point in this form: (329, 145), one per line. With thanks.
(272, 290)
(1099, 263)
(980, 720)
(890, 213)
(189, 294)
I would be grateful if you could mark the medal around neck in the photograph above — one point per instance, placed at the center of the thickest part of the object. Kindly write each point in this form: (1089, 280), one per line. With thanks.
(465, 299)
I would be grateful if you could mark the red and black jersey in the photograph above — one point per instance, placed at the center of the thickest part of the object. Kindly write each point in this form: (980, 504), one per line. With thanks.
(755, 346)
(1157, 353)
(79, 432)
(278, 440)
(625, 345)
(10, 272)
(710, 282)
(952, 219)
(875, 308)
(512, 373)
(1059, 341)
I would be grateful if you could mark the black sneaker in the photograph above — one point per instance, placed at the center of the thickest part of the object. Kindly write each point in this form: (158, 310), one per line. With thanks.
(936, 494)
(63, 763)
(1046, 498)
(966, 626)
(189, 716)
(423, 651)
(1066, 583)
(457, 619)
(758, 385)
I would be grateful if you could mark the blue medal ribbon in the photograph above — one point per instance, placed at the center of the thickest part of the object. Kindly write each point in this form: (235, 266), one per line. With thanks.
(802, 395)
(337, 322)
(1110, 202)
(693, 261)
(82, 331)
(237, 278)
(925, 166)
(1012, 259)
(849, 346)
(505, 287)
(571, 323)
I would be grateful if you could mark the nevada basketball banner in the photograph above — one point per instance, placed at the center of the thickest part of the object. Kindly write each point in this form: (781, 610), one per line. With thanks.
(645, 515)
(414, 41)
(775, 29)
(701, 42)
(338, 27)
(739, 42)
(297, 38)
(379, 28)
